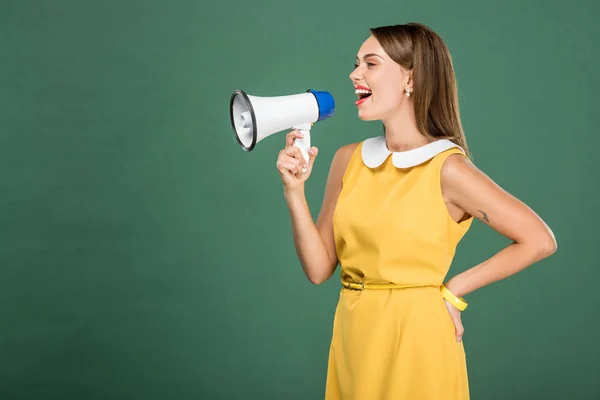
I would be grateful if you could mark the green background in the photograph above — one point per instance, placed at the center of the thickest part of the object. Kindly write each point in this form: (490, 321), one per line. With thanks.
(144, 255)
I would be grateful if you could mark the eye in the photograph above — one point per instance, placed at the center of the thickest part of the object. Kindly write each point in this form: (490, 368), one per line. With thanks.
(369, 64)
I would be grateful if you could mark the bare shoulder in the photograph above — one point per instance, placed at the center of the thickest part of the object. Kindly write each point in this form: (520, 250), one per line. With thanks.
(455, 167)
(339, 164)
(459, 175)
(337, 170)
(341, 158)
(346, 150)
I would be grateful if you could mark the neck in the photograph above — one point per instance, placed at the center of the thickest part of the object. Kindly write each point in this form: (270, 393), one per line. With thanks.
(401, 132)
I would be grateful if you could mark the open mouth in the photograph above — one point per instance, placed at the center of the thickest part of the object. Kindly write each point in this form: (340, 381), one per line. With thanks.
(363, 94)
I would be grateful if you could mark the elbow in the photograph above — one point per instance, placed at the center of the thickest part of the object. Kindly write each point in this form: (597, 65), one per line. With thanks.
(323, 276)
(542, 244)
(317, 280)
(551, 247)
(323, 273)
(548, 246)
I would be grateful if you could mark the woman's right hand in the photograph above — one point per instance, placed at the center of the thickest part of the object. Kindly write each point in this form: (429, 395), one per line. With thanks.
(290, 162)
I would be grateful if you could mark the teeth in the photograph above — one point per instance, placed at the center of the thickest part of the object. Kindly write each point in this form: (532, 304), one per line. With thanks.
(362, 91)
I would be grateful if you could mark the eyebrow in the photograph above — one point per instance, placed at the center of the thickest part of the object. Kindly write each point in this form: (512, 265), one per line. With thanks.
(370, 54)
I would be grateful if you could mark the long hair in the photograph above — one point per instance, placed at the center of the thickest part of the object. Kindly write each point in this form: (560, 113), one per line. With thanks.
(415, 46)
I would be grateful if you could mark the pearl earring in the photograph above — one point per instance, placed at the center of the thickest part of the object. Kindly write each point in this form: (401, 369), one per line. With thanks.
(407, 92)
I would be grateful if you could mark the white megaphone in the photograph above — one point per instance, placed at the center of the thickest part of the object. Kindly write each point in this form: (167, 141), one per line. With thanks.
(253, 118)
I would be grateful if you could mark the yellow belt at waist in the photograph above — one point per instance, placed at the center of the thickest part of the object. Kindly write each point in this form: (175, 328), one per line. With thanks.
(368, 286)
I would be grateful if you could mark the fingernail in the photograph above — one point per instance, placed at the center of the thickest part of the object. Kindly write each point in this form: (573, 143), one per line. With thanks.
(305, 165)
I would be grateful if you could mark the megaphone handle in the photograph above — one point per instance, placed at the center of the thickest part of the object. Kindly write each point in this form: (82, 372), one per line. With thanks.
(304, 145)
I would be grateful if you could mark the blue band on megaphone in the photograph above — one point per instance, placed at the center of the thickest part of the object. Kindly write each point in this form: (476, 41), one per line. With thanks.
(325, 102)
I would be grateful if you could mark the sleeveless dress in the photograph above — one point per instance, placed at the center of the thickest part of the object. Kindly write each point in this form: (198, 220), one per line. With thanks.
(391, 225)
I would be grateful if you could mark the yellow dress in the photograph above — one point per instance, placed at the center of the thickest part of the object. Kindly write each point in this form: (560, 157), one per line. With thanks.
(391, 225)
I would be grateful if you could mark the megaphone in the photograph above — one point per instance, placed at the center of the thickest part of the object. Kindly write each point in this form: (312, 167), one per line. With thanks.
(253, 118)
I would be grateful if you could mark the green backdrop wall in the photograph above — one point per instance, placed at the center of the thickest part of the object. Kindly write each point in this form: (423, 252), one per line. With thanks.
(143, 254)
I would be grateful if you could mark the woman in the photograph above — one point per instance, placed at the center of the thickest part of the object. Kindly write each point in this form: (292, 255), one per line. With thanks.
(394, 209)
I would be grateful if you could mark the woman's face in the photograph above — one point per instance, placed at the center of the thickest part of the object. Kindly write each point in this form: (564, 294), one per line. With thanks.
(386, 80)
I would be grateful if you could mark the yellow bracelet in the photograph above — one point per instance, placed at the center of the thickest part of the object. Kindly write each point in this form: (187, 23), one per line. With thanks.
(457, 302)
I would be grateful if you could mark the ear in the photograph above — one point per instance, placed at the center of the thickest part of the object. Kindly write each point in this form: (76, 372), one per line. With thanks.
(409, 80)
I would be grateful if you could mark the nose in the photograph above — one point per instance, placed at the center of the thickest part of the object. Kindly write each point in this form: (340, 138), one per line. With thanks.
(354, 76)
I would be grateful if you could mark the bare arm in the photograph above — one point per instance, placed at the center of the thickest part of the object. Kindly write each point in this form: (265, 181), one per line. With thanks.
(465, 186)
(314, 243)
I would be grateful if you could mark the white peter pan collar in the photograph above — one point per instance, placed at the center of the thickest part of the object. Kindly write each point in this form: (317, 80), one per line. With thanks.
(375, 152)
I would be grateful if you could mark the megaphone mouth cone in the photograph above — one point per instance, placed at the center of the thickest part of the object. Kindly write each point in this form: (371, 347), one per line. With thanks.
(239, 103)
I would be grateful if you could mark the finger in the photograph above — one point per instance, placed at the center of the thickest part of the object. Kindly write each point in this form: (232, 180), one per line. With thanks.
(294, 152)
(290, 159)
(288, 167)
(291, 135)
(281, 168)
(460, 330)
(312, 154)
(283, 165)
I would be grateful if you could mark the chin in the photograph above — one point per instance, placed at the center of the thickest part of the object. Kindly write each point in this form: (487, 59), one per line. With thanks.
(365, 116)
